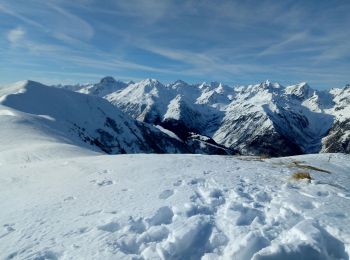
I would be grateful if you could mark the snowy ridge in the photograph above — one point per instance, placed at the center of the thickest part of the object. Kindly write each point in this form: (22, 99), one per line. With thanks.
(42, 117)
(252, 119)
(106, 86)
(262, 119)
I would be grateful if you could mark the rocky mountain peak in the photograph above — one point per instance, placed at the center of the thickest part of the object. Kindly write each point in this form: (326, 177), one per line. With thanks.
(108, 80)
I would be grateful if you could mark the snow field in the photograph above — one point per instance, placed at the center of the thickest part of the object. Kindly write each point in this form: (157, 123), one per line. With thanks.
(174, 207)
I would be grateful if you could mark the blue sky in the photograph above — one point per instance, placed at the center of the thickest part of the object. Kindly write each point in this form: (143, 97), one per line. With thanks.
(235, 42)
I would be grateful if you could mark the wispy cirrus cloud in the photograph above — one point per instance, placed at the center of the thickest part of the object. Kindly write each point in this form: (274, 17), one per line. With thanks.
(235, 41)
(50, 18)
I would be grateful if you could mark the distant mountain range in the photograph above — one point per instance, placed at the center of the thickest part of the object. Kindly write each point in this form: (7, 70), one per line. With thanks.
(43, 119)
(150, 117)
(265, 118)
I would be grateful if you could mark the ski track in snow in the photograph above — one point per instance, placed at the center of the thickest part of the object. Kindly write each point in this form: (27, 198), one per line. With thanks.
(172, 207)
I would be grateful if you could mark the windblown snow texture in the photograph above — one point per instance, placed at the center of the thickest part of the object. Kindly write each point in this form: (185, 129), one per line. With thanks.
(174, 207)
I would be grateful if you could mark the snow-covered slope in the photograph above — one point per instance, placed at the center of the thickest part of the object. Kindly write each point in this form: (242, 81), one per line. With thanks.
(172, 106)
(270, 119)
(27, 136)
(266, 118)
(144, 100)
(338, 139)
(106, 86)
(40, 117)
(175, 207)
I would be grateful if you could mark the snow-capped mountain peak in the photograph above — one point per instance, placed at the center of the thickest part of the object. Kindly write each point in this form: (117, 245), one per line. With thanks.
(300, 91)
(106, 86)
(180, 82)
(55, 117)
(244, 118)
(149, 82)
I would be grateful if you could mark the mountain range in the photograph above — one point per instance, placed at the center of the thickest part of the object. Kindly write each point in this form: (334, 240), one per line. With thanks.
(261, 119)
(150, 117)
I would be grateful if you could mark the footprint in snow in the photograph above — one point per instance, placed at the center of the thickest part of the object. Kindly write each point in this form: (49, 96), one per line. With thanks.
(196, 181)
(69, 198)
(244, 216)
(49, 255)
(105, 183)
(165, 194)
(137, 225)
(262, 196)
(110, 227)
(336, 215)
(104, 172)
(78, 231)
(177, 183)
(309, 204)
(9, 227)
(164, 215)
(322, 193)
(90, 213)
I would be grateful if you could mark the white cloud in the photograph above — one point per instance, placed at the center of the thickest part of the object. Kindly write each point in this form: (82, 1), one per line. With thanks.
(59, 22)
(15, 35)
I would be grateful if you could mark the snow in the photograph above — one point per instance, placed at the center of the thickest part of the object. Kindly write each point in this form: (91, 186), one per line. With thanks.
(106, 86)
(32, 111)
(303, 116)
(217, 106)
(5, 112)
(167, 132)
(63, 199)
(174, 207)
(342, 101)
